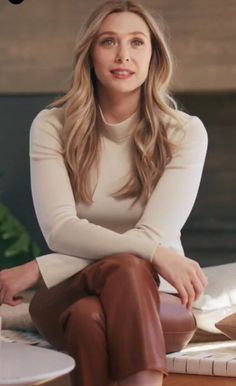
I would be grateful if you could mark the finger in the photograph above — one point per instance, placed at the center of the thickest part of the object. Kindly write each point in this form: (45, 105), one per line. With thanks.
(198, 287)
(203, 278)
(13, 300)
(191, 294)
(2, 295)
(201, 275)
(182, 293)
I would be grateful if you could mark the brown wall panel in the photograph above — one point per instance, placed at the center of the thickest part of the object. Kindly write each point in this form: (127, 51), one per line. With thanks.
(37, 40)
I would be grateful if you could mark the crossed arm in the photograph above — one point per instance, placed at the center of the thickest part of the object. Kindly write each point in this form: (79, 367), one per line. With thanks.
(155, 234)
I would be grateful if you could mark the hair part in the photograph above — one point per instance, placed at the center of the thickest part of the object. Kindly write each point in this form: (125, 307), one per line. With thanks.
(80, 137)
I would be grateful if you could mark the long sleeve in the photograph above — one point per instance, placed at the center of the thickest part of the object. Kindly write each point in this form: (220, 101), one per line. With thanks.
(163, 217)
(173, 198)
(64, 231)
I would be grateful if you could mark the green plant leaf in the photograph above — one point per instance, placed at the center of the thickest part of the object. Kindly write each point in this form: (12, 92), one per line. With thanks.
(16, 244)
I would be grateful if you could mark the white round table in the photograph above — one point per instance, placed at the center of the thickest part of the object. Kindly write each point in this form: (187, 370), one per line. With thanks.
(22, 364)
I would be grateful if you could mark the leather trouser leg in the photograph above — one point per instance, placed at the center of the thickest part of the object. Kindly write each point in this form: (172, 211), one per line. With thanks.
(84, 326)
(107, 317)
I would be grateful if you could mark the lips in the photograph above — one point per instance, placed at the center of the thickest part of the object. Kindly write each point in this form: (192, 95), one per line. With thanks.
(122, 71)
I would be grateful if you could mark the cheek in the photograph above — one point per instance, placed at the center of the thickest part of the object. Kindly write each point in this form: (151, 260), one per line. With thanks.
(100, 65)
(97, 57)
(101, 57)
(96, 60)
(144, 65)
(143, 59)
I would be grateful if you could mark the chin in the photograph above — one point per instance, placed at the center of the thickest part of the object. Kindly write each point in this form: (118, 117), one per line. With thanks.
(119, 88)
(124, 88)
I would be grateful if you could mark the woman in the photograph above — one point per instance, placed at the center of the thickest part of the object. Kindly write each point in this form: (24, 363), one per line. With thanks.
(115, 170)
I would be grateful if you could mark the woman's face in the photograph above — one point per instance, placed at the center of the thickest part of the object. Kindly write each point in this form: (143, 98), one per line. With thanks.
(122, 42)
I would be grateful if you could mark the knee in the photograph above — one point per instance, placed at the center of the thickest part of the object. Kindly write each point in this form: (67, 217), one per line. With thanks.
(83, 314)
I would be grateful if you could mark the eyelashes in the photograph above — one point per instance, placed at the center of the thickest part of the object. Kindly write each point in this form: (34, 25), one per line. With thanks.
(107, 40)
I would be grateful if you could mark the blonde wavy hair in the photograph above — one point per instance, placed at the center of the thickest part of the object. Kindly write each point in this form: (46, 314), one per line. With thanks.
(80, 137)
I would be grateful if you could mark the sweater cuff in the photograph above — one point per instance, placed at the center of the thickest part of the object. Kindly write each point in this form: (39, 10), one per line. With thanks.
(56, 267)
(155, 250)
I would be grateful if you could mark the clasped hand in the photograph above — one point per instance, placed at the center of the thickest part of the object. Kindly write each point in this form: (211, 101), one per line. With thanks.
(17, 279)
(182, 273)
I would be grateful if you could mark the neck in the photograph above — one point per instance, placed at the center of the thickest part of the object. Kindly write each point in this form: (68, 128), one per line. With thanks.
(118, 107)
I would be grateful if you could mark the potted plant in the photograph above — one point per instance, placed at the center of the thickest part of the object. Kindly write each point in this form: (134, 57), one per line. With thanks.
(16, 244)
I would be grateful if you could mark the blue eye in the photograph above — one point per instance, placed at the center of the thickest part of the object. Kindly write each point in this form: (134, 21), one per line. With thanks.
(109, 41)
(138, 41)
(106, 40)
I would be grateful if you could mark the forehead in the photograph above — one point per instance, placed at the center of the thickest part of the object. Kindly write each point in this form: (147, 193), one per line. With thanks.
(124, 23)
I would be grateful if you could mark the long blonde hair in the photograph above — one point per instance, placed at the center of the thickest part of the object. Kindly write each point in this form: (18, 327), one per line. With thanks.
(80, 136)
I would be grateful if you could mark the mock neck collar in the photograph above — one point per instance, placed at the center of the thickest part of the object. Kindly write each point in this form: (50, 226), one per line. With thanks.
(117, 132)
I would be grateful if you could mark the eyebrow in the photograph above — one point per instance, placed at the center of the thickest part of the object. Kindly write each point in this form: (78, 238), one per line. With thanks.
(115, 33)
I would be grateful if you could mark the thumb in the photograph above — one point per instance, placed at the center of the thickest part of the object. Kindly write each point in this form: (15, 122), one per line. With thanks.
(15, 300)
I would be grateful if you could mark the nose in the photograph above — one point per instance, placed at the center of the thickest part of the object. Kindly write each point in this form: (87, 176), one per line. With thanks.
(122, 54)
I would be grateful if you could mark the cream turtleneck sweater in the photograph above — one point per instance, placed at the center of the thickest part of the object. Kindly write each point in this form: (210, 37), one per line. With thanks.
(77, 233)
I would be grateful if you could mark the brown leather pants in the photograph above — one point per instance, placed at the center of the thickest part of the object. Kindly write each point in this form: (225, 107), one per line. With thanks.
(108, 318)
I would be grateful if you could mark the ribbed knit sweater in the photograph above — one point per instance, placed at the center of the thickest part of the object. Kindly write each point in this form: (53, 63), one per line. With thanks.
(78, 234)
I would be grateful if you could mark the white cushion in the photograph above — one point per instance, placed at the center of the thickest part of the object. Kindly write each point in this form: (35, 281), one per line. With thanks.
(18, 317)
(218, 299)
(221, 289)
(206, 319)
